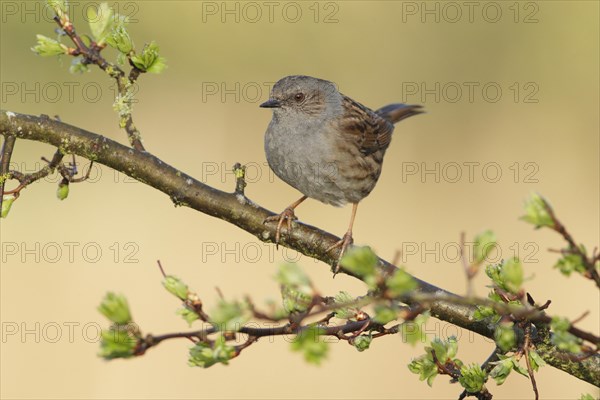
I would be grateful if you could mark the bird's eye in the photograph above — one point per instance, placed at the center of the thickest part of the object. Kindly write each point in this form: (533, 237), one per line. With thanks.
(299, 96)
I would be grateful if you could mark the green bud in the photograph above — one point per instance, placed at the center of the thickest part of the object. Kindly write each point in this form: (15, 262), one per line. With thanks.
(63, 190)
(120, 39)
(424, 367)
(115, 308)
(472, 378)
(7, 202)
(507, 276)
(362, 342)
(176, 287)
(505, 336)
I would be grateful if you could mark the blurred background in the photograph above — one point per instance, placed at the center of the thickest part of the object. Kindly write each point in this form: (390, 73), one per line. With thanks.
(511, 92)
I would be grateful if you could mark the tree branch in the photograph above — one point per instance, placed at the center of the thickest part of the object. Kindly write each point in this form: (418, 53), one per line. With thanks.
(237, 209)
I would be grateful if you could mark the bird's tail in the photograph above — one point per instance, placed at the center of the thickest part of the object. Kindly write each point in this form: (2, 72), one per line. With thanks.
(397, 112)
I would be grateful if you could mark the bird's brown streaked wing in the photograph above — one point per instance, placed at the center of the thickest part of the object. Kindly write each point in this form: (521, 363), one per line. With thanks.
(368, 130)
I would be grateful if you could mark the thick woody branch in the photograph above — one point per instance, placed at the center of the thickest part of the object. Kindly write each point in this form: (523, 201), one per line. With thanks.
(242, 212)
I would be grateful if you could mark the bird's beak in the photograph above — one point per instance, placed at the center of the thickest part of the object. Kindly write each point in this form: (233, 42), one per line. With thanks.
(271, 103)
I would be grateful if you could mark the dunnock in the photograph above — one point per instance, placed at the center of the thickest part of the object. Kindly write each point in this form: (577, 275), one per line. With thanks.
(327, 145)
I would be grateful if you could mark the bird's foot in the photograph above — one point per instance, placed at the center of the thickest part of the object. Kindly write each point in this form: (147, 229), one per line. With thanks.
(286, 215)
(346, 241)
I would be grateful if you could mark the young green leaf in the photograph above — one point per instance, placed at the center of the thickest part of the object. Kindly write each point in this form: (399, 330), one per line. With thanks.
(188, 315)
(296, 289)
(101, 21)
(502, 369)
(47, 47)
(78, 67)
(400, 283)
(484, 243)
(562, 338)
(149, 60)
(535, 360)
(570, 263)
(385, 314)
(293, 275)
(362, 262)
(118, 342)
(115, 308)
(483, 312)
(230, 315)
(311, 345)
(536, 211)
(348, 313)
(204, 355)
(58, 6)
(412, 332)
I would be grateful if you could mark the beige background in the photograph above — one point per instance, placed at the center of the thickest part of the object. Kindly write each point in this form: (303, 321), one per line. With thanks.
(373, 52)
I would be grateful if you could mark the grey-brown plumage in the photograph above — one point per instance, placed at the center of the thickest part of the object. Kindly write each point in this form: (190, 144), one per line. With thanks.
(325, 144)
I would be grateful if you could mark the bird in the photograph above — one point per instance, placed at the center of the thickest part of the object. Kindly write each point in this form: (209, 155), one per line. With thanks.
(327, 146)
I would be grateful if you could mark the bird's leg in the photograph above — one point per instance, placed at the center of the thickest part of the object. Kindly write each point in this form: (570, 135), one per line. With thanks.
(346, 241)
(287, 214)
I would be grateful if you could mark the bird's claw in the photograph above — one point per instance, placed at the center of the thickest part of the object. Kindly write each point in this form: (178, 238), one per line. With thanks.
(346, 241)
(287, 214)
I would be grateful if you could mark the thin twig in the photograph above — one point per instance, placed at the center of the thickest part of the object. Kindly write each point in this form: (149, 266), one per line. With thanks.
(5, 156)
